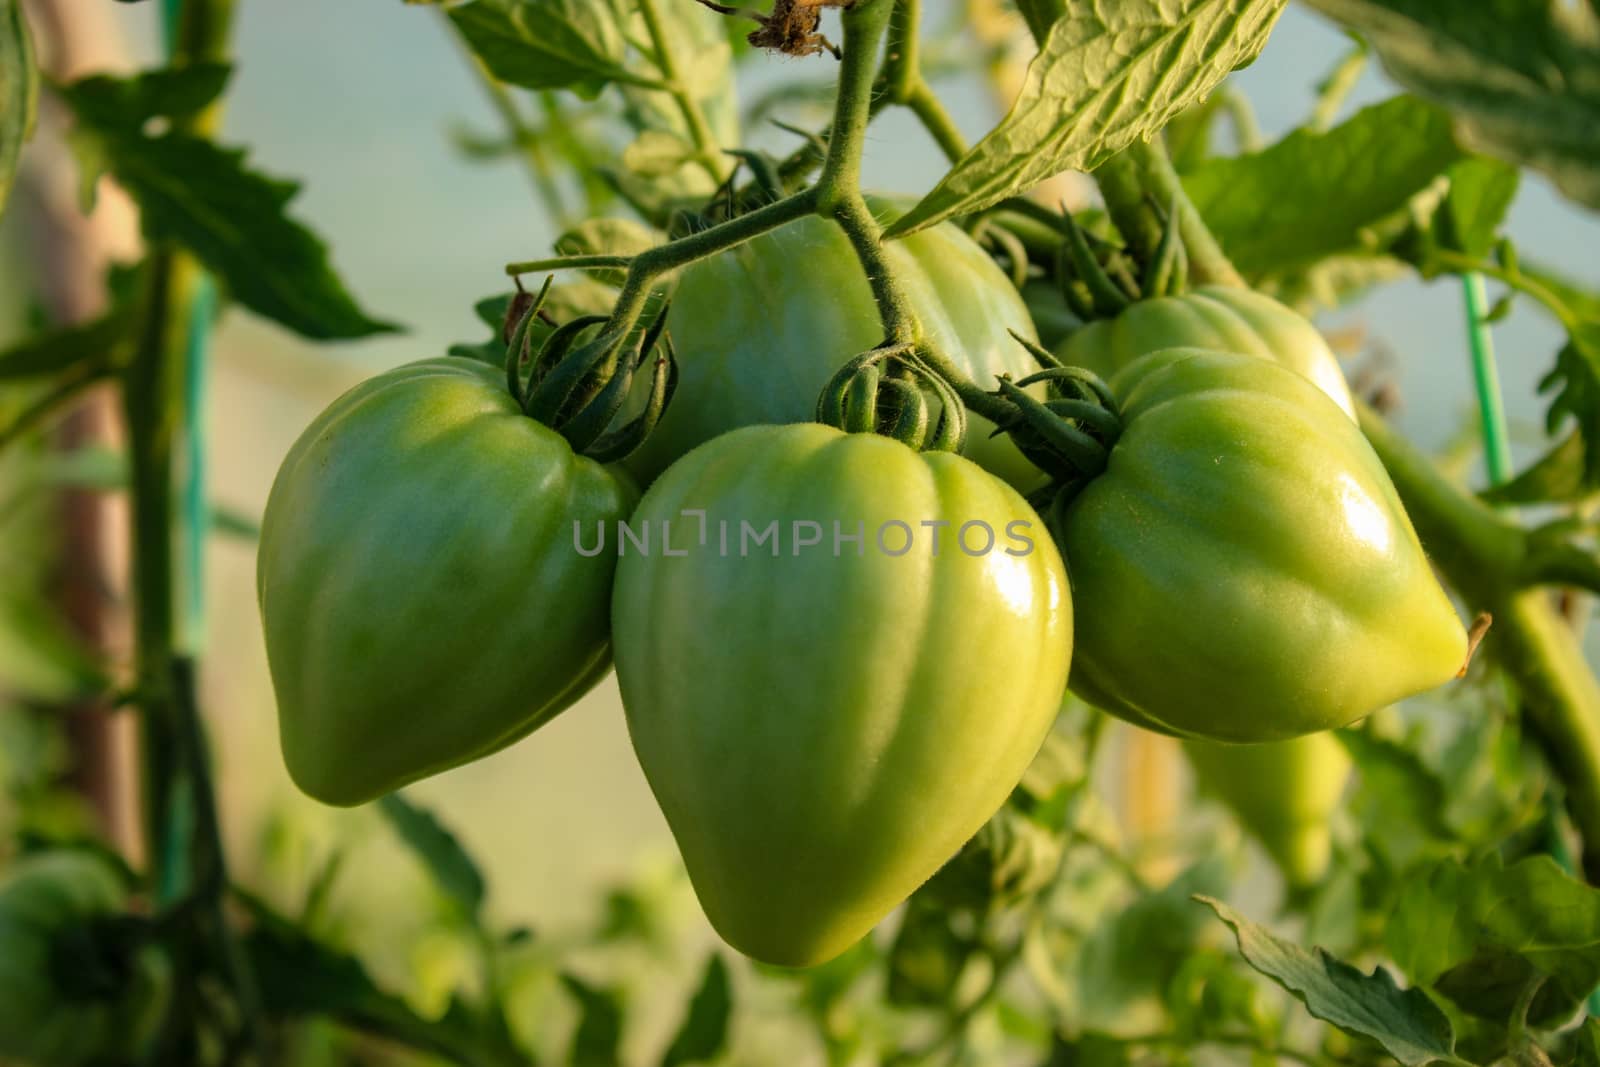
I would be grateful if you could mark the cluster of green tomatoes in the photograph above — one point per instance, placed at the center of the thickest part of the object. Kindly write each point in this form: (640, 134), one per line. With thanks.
(825, 728)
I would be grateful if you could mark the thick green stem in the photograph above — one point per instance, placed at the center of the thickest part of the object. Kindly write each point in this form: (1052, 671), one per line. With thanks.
(1482, 557)
(708, 152)
(839, 187)
(937, 121)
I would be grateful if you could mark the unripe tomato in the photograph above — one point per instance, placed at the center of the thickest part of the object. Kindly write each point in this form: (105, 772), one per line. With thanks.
(1222, 317)
(423, 600)
(824, 731)
(1248, 567)
(66, 998)
(1284, 793)
(761, 328)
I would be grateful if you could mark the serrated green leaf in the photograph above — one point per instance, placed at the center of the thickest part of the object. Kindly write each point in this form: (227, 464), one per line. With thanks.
(19, 92)
(203, 197)
(1107, 75)
(1480, 934)
(704, 1032)
(441, 852)
(1521, 77)
(1311, 194)
(1408, 1025)
(545, 44)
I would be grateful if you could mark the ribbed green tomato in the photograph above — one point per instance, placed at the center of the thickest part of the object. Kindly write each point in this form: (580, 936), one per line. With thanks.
(1246, 563)
(66, 997)
(1284, 793)
(1221, 317)
(761, 328)
(421, 591)
(824, 731)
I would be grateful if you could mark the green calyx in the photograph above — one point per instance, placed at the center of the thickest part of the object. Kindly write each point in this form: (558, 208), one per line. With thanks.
(579, 379)
(886, 390)
(1069, 435)
(1096, 277)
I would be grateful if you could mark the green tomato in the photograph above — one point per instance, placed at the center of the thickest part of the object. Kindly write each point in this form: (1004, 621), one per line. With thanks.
(824, 731)
(1248, 567)
(422, 595)
(1221, 317)
(1284, 793)
(761, 328)
(68, 994)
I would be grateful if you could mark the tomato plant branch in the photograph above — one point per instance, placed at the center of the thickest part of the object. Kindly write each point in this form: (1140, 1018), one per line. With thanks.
(533, 266)
(707, 152)
(1481, 555)
(1159, 179)
(904, 84)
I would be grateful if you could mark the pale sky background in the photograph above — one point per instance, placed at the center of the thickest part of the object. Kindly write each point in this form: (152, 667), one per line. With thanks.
(354, 98)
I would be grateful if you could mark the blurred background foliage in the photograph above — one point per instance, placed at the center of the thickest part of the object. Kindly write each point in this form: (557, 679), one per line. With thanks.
(377, 110)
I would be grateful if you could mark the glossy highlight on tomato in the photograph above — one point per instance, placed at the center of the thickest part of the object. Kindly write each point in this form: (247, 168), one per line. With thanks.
(760, 329)
(824, 730)
(1221, 317)
(1247, 564)
(421, 596)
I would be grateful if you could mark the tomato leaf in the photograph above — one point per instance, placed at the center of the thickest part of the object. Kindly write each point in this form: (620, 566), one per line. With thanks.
(203, 197)
(1106, 76)
(1408, 1025)
(545, 44)
(1521, 78)
(19, 91)
(599, 1036)
(441, 852)
(1480, 934)
(64, 348)
(704, 1032)
(1558, 475)
(1481, 191)
(1311, 194)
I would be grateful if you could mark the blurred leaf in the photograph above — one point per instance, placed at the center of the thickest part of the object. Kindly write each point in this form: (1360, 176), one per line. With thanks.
(598, 1040)
(704, 1032)
(1575, 380)
(1586, 1044)
(1132, 958)
(928, 955)
(1480, 934)
(1398, 801)
(1556, 476)
(203, 197)
(99, 342)
(657, 154)
(1481, 192)
(446, 860)
(19, 92)
(1581, 300)
(1405, 1022)
(110, 103)
(1006, 862)
(299, 976)
(545, 44)
(1312, 193)
(1105, 77)
(1520, 77)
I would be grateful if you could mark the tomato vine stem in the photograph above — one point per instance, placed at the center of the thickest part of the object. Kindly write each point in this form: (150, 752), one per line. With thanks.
(1482, 554)
(707, 152)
